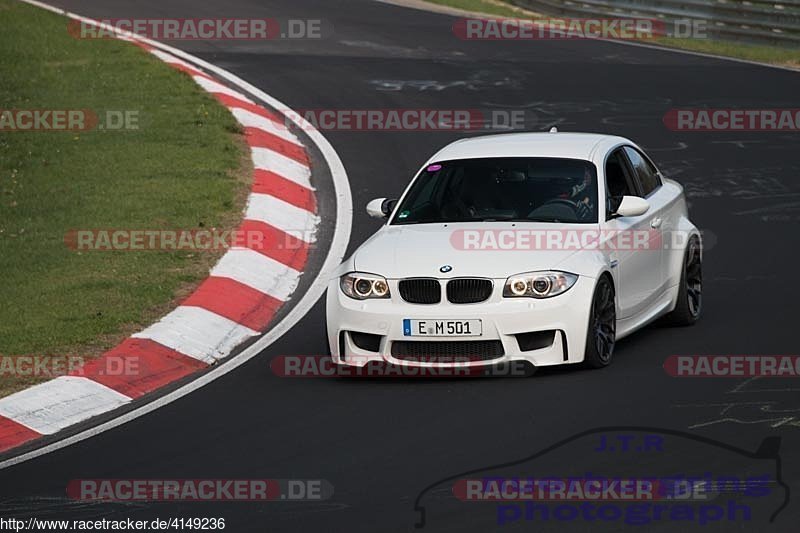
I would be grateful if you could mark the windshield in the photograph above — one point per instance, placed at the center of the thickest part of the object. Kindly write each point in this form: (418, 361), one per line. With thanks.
(530, 189)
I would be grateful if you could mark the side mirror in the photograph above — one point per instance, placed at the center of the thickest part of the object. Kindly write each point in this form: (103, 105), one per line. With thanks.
(632, 206)
(380, 207)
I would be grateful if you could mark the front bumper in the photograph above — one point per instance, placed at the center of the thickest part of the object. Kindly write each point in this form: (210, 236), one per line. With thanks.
(502, 319)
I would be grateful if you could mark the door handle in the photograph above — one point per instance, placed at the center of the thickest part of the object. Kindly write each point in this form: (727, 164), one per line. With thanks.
(655, 223)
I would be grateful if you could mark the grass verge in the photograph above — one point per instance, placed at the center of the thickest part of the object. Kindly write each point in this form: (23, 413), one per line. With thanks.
(487, 7)
(773, 55)
(185, 167)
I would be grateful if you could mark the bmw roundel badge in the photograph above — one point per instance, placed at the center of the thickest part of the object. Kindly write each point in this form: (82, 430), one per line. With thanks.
(445, 268)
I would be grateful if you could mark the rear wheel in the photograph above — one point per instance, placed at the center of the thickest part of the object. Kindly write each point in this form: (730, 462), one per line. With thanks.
(690, 290)
(601, 335)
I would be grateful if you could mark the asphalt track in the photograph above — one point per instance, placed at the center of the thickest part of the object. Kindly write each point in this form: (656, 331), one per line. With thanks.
(381, 442)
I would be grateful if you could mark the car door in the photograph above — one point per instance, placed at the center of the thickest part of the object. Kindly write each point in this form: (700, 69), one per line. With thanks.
(638, 269)
(648, 181)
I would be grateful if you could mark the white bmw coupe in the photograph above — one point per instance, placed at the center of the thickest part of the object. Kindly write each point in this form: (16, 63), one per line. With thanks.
(537, 247)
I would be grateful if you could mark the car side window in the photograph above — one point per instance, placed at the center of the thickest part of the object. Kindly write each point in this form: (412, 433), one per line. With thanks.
(646, 173)
(618, 180)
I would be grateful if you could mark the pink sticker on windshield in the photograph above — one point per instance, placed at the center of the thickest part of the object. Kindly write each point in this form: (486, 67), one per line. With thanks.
(434, 168)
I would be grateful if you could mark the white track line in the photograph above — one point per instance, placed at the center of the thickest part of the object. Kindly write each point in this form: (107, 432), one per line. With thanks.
(339, 242)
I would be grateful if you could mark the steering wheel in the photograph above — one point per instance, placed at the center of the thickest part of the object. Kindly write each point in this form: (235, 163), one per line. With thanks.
(580, 209)
(564, 201)
(462, 207)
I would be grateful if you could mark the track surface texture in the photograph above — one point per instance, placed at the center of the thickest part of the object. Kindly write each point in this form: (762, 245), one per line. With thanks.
(381, 442)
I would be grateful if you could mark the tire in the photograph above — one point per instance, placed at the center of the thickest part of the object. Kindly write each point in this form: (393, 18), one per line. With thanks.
(602, 328)
(690, 290)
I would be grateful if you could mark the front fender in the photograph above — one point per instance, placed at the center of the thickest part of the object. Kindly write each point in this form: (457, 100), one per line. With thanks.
(586, 263)
(678, 241)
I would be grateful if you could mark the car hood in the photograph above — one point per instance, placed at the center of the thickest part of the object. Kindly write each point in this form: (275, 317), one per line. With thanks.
(421, 250)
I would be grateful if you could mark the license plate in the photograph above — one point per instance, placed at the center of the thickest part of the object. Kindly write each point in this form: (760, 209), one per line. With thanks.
(442, 328)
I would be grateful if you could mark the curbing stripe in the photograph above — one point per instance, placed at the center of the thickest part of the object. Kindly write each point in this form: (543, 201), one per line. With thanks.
(267, 159)
(193, 73)
(235, 301)
(171, 59)
(282, 215)
(213, 86)
(13, 434)
(266, 182)
(198, 333)
(274, 243)
(258, 271)
(262, 139)
(232, 102)
(251, 120)
(53, 405)
(138, 366)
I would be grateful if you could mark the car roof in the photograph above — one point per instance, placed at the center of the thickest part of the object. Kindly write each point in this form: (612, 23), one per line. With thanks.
(564, 145)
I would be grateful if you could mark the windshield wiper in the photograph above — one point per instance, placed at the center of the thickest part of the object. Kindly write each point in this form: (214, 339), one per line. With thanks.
(483, 219)
(516, 219)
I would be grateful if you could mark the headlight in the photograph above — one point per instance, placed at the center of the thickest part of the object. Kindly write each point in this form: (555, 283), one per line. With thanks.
(538, 284)
(362, 286)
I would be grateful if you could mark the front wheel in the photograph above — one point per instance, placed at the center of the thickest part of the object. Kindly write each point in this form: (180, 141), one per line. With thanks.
(602, 331)
(690, 291)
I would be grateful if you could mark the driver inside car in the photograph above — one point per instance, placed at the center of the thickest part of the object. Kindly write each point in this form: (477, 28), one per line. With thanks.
(580, 194)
